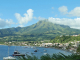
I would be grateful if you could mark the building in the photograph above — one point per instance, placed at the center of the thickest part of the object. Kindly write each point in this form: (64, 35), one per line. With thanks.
(46, 44)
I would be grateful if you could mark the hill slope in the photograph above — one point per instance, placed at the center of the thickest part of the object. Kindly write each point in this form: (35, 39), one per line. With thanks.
(65, 39)
(42, 30)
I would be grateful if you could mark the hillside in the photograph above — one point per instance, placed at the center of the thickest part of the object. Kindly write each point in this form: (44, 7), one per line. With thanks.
(65, 39)
(42, 30)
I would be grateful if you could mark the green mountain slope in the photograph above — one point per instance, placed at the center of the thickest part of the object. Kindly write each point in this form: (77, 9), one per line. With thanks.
(47, 27)
(65, 39)
(42, 30)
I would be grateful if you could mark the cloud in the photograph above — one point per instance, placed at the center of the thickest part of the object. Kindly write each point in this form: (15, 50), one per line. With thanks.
(75, 12)
(4, 23)
(21, 26)
(73, 23)
(63, 9)
(27, 17)
(41, 18)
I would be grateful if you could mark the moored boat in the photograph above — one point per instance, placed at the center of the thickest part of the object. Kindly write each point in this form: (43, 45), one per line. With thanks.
(45, 50)
(35, 51)
(9, 58)
(16, 53)
(45, 53)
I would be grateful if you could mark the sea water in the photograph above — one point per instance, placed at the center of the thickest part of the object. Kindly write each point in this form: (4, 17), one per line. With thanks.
(28, 50)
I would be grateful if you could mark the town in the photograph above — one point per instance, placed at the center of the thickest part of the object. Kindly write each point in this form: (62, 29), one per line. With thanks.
(71, 46)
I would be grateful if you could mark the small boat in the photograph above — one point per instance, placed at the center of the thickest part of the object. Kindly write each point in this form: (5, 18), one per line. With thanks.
(32, 47)
(9, 58)
(25, 47)
(45, 53)
(35, 51)
(45, 50)
(16, 53)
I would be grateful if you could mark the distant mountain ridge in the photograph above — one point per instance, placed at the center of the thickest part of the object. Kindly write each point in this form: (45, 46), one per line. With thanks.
(42, 29)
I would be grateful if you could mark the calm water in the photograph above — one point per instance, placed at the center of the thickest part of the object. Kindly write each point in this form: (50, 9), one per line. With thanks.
(22, 49)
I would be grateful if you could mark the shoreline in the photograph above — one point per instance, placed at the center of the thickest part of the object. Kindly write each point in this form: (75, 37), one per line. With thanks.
(1, 44)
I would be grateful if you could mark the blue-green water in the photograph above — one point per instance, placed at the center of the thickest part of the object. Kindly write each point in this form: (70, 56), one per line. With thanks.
(22, 49)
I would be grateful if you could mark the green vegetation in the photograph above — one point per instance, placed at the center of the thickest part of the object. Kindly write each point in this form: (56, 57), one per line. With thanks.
(1, 42)
(65, 39)
(78, 49)
(59, 56)
(42, 30)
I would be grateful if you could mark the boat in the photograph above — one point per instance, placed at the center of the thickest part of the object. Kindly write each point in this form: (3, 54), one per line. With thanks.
(45, 53)
(31, 46)
(45, 50)
(25, 47)
(9, 57)
(16, 53)
(35, 51)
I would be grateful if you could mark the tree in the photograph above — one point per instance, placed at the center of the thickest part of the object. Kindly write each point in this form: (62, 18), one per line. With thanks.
(78, 49)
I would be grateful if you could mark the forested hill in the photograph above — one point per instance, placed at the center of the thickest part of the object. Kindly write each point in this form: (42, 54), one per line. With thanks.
(39, 31)
(66, 39)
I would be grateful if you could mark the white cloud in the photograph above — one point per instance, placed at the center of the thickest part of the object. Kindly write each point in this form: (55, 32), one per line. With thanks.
(21, 26)
(63, 9)
(4, 23)
(41, 18)
(27, 17)
(73, 23)
(75, 12)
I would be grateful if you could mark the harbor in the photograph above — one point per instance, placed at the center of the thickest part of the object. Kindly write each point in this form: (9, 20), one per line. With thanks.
(29, 50)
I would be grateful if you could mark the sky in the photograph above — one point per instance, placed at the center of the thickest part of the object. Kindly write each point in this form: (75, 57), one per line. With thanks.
(22, 13)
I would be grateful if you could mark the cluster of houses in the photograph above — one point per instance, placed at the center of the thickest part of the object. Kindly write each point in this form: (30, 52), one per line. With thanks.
(71, 46)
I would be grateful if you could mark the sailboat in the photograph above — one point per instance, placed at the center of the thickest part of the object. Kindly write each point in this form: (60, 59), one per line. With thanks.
(9, 57)
(16, 53)
(35, 49)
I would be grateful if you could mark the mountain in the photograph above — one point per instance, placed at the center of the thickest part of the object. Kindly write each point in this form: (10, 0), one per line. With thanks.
(42, 30)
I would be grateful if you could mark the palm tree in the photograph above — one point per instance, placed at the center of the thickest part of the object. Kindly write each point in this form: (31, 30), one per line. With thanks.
(59, 56)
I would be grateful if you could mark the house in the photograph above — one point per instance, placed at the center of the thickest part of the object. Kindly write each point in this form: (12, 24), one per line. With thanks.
(46, 44)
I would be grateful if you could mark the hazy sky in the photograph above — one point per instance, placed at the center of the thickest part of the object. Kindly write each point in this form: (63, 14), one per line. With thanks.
(14, 13)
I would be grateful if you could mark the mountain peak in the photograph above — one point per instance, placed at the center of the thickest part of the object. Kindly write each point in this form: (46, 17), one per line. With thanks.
(46, 22)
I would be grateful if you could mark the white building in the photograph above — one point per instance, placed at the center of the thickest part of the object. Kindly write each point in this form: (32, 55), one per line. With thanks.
(46, 44)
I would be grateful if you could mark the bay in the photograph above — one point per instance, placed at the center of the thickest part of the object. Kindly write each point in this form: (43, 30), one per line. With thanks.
(28, 50)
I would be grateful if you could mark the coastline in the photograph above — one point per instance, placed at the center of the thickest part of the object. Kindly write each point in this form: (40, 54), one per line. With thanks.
(1, 44)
